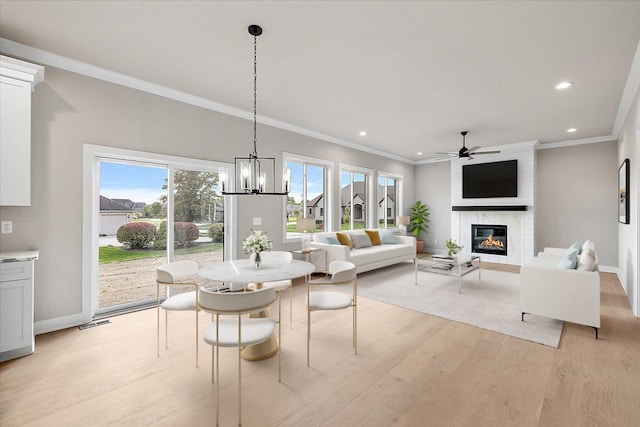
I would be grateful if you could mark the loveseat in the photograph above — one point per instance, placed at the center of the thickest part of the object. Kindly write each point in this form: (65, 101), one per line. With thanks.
(391, 249)
(555, 286)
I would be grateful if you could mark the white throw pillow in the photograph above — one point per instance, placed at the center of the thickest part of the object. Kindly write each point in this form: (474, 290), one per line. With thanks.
(587, 261)
(588, 244)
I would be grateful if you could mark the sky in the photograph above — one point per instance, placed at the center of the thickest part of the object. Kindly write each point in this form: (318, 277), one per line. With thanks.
(137, 183)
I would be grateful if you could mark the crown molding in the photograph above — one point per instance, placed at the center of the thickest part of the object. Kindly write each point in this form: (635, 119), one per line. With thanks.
(53, 60)
(581, 141)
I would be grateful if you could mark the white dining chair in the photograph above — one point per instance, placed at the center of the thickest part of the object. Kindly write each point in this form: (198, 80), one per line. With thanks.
(340, 272)
(277, 257)
(171, 274)
(236, 331)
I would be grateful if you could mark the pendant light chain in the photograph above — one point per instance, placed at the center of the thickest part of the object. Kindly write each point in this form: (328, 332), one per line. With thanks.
(255, 94)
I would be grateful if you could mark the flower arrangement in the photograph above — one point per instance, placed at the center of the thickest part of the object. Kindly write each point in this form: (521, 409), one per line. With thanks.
(257, 242)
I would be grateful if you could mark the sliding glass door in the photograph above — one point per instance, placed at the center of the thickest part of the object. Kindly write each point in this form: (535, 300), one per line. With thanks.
(147, 213)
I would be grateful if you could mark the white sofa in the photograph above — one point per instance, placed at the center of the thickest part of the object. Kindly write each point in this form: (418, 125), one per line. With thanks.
(368, 258)
(572, 295)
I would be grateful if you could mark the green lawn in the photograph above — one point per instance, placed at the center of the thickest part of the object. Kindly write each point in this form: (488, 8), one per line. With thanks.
(111, 254)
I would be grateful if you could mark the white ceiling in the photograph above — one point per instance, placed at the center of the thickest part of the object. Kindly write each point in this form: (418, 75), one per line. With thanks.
(412, 74)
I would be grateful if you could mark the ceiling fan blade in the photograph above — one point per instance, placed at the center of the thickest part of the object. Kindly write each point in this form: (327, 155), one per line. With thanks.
(450, 153)
(438, 159)
(472, 149)
(486, 152)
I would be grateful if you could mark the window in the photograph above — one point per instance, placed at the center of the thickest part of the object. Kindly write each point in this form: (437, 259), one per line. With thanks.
(387, 200)
(307, 195)
(353, 198)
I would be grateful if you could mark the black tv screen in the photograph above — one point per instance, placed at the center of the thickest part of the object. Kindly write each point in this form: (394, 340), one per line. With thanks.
(483, 180)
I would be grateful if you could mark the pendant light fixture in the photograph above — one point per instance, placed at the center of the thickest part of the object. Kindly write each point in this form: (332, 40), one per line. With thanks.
(253, 174)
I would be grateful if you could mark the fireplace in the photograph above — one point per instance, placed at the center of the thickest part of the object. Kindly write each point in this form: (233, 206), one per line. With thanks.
(489, 239)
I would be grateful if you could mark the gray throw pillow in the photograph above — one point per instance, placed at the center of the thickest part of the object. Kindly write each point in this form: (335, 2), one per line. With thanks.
(360, 240)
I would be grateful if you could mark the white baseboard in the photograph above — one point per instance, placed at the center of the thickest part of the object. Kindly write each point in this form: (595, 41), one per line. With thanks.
(608, 269)
(55, 324)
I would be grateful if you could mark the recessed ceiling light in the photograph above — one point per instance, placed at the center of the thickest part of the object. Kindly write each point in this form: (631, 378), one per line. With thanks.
(564, 85)
(572, 130)
(419, 153)
(362, 133)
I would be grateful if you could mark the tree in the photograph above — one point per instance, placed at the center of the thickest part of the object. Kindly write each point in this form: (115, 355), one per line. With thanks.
(153, 210)
(194, 192)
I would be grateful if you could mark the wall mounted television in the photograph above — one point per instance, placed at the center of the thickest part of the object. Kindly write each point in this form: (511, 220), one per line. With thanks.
(485, 180)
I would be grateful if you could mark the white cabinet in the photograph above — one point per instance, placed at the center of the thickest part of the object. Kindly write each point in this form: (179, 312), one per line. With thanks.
(16, 309)
(17, 81)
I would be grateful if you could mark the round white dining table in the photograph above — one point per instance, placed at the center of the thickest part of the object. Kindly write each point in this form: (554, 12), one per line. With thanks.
(245, 271)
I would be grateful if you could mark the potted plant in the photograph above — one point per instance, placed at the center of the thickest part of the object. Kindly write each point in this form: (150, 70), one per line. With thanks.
(452, 247)
(419, 217)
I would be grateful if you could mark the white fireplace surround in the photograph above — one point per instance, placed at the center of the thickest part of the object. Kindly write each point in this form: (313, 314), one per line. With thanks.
(520, 223)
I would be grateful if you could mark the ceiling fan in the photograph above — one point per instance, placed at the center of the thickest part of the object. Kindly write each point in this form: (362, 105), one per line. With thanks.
(464, 151)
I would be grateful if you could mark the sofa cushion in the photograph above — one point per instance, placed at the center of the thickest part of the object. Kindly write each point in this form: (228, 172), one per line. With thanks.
(588, 244)
(344, 239)
(587, 261)
(322, 237)
(374, 236)
(332, 240)
(360, 240)
(379, 253)
(577, 247)
(387, 237)
(569, 260)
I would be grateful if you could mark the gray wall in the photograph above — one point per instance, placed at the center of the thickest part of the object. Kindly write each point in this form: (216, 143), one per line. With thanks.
(576, 197)
(433, 188)
(70, 109)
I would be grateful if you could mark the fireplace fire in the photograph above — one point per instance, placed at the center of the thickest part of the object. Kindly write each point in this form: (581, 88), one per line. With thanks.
(489, 239)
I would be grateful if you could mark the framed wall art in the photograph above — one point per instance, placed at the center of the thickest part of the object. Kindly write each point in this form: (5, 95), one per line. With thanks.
(623, 192)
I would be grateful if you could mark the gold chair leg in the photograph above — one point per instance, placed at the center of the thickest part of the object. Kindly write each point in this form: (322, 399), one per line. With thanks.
(158, 318)
(279, 335)
(239, 370)
(166, 329)
(291, 306)
(217, 373)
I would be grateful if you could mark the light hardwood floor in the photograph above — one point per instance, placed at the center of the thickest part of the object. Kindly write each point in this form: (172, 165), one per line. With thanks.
(412, 369)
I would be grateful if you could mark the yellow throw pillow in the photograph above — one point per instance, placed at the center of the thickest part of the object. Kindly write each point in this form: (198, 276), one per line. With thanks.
(374, 236)
(344, 239)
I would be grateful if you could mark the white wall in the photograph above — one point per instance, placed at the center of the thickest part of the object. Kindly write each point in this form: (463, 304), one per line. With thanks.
(629, 234)
(69, 109)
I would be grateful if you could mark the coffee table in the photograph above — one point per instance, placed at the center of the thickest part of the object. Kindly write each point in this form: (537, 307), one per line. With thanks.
(451, 266)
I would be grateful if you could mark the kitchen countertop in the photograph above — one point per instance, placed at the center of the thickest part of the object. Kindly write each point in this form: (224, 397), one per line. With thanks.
(19, 256)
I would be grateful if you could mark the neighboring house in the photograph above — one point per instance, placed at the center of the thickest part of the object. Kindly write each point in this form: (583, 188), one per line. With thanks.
(358, 205)
(315, 208)
(113, 215)
(138, 207)
(390, 214)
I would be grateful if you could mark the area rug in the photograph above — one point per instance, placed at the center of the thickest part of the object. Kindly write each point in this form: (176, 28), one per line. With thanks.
(492, 303)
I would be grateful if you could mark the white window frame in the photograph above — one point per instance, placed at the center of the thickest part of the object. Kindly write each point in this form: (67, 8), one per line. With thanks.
(92, 156)
(399, 197)
(328, 192)
(371, 183)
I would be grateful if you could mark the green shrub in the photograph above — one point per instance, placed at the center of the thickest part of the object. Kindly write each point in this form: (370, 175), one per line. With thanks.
(216, 233)
(185, 233)
(161, 236)
(136, 235)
